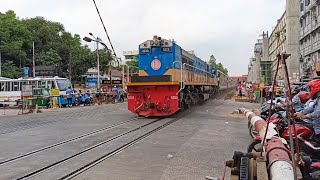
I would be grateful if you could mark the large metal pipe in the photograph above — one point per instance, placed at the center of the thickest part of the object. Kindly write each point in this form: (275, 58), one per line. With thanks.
(278, 155)
(259, 124)
(279, 160)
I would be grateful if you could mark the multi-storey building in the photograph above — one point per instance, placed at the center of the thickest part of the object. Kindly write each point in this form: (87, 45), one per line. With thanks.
(265, 64)
(254, 65)
(285, 38)
(309, 37)
(130, 55)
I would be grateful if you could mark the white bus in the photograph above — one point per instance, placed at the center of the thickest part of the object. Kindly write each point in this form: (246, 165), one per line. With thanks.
(10, 89)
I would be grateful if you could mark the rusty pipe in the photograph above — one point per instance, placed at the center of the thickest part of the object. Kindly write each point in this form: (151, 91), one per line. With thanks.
(280, 165)
(260, 124)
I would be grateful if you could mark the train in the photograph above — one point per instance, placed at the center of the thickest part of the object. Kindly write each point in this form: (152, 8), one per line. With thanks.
(171, 79)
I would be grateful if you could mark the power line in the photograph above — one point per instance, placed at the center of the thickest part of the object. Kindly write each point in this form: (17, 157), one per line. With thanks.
(105, 30)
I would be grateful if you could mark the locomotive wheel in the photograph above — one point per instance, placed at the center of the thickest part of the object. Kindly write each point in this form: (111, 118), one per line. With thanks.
(255, 146)
(253, 132)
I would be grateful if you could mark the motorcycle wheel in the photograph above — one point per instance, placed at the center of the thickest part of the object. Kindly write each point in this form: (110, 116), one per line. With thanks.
(252, 132)
(92, 103)
(254, 146)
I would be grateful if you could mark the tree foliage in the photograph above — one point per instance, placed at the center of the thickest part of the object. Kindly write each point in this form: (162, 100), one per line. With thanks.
(10, 70)
(133, 64)
(213, 62)
(53, 46)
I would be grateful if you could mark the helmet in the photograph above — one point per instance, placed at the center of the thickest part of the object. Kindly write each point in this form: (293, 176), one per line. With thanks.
(304, 96)
(314, 87)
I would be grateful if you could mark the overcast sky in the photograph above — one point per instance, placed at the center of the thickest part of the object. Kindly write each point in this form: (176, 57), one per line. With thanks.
(227, 29)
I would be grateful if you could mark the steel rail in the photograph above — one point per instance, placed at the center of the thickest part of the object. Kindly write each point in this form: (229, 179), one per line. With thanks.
(43, 169)
(67, 141)
(119, 150)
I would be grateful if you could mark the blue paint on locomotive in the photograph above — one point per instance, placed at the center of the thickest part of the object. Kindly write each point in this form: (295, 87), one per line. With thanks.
(167, 58)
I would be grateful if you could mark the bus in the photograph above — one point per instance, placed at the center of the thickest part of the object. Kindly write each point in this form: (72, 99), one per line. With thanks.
(10, 89)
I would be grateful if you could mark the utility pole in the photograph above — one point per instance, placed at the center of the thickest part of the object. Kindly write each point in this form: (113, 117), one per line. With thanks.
(98, 62)
(33, 61)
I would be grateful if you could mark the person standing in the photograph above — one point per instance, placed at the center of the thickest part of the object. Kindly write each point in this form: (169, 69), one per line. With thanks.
(240, 89)
(270, 91)
(257, 94)
(115, 93)
(69, 96)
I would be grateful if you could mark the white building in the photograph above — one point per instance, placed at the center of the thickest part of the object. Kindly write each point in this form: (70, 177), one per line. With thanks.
(130, 55)
(254, 65)
(309, 37)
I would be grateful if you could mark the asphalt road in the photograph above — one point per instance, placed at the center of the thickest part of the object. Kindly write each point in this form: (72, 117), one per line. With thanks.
(192, 147)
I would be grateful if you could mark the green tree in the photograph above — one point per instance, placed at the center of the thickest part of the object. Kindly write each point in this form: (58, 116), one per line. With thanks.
(48, 58)
(105, 58)
(14, 38)
(133, 64)
(10, 70)
(213, 63)
(53, 46)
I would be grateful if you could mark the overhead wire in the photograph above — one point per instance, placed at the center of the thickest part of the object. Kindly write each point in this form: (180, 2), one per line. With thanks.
(105, 30)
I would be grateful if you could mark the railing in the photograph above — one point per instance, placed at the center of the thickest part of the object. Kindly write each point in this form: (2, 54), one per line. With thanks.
(173, 67)
(204, 76)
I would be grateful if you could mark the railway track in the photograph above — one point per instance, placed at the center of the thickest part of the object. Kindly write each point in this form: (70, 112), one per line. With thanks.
(67, 141)
(11, 127)
(106, 156)
(45, 171)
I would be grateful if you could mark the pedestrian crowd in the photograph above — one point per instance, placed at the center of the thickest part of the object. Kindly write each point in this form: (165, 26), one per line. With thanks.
(86, 97)
(255, 92)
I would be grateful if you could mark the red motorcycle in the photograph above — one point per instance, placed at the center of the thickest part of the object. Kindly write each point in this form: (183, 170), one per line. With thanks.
(309, 144)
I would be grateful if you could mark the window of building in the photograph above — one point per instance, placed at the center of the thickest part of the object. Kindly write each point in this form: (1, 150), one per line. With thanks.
(301, 7)
(308, 18)
(307, 2)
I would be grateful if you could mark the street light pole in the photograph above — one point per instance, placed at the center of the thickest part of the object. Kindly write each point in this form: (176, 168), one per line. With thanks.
(97, 40)
(98, 62)
(33, 61)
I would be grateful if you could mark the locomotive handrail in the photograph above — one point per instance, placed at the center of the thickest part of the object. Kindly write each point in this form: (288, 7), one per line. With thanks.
(205, 72)
(174, 69)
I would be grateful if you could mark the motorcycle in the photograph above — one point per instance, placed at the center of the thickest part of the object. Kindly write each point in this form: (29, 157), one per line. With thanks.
(84, 99)
(276, 111)
(308, 142)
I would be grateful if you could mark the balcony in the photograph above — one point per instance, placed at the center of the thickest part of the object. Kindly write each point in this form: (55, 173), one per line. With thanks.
(307, 29)
(315, 45)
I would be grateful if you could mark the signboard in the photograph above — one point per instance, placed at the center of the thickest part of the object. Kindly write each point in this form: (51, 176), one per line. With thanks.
(55, 92)
(26, 90)
(113, 81)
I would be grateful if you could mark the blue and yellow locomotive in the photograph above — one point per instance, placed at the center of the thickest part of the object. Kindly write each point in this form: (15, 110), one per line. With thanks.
(170, 79)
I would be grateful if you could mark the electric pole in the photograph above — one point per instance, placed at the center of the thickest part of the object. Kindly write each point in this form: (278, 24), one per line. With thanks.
(33, 61)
